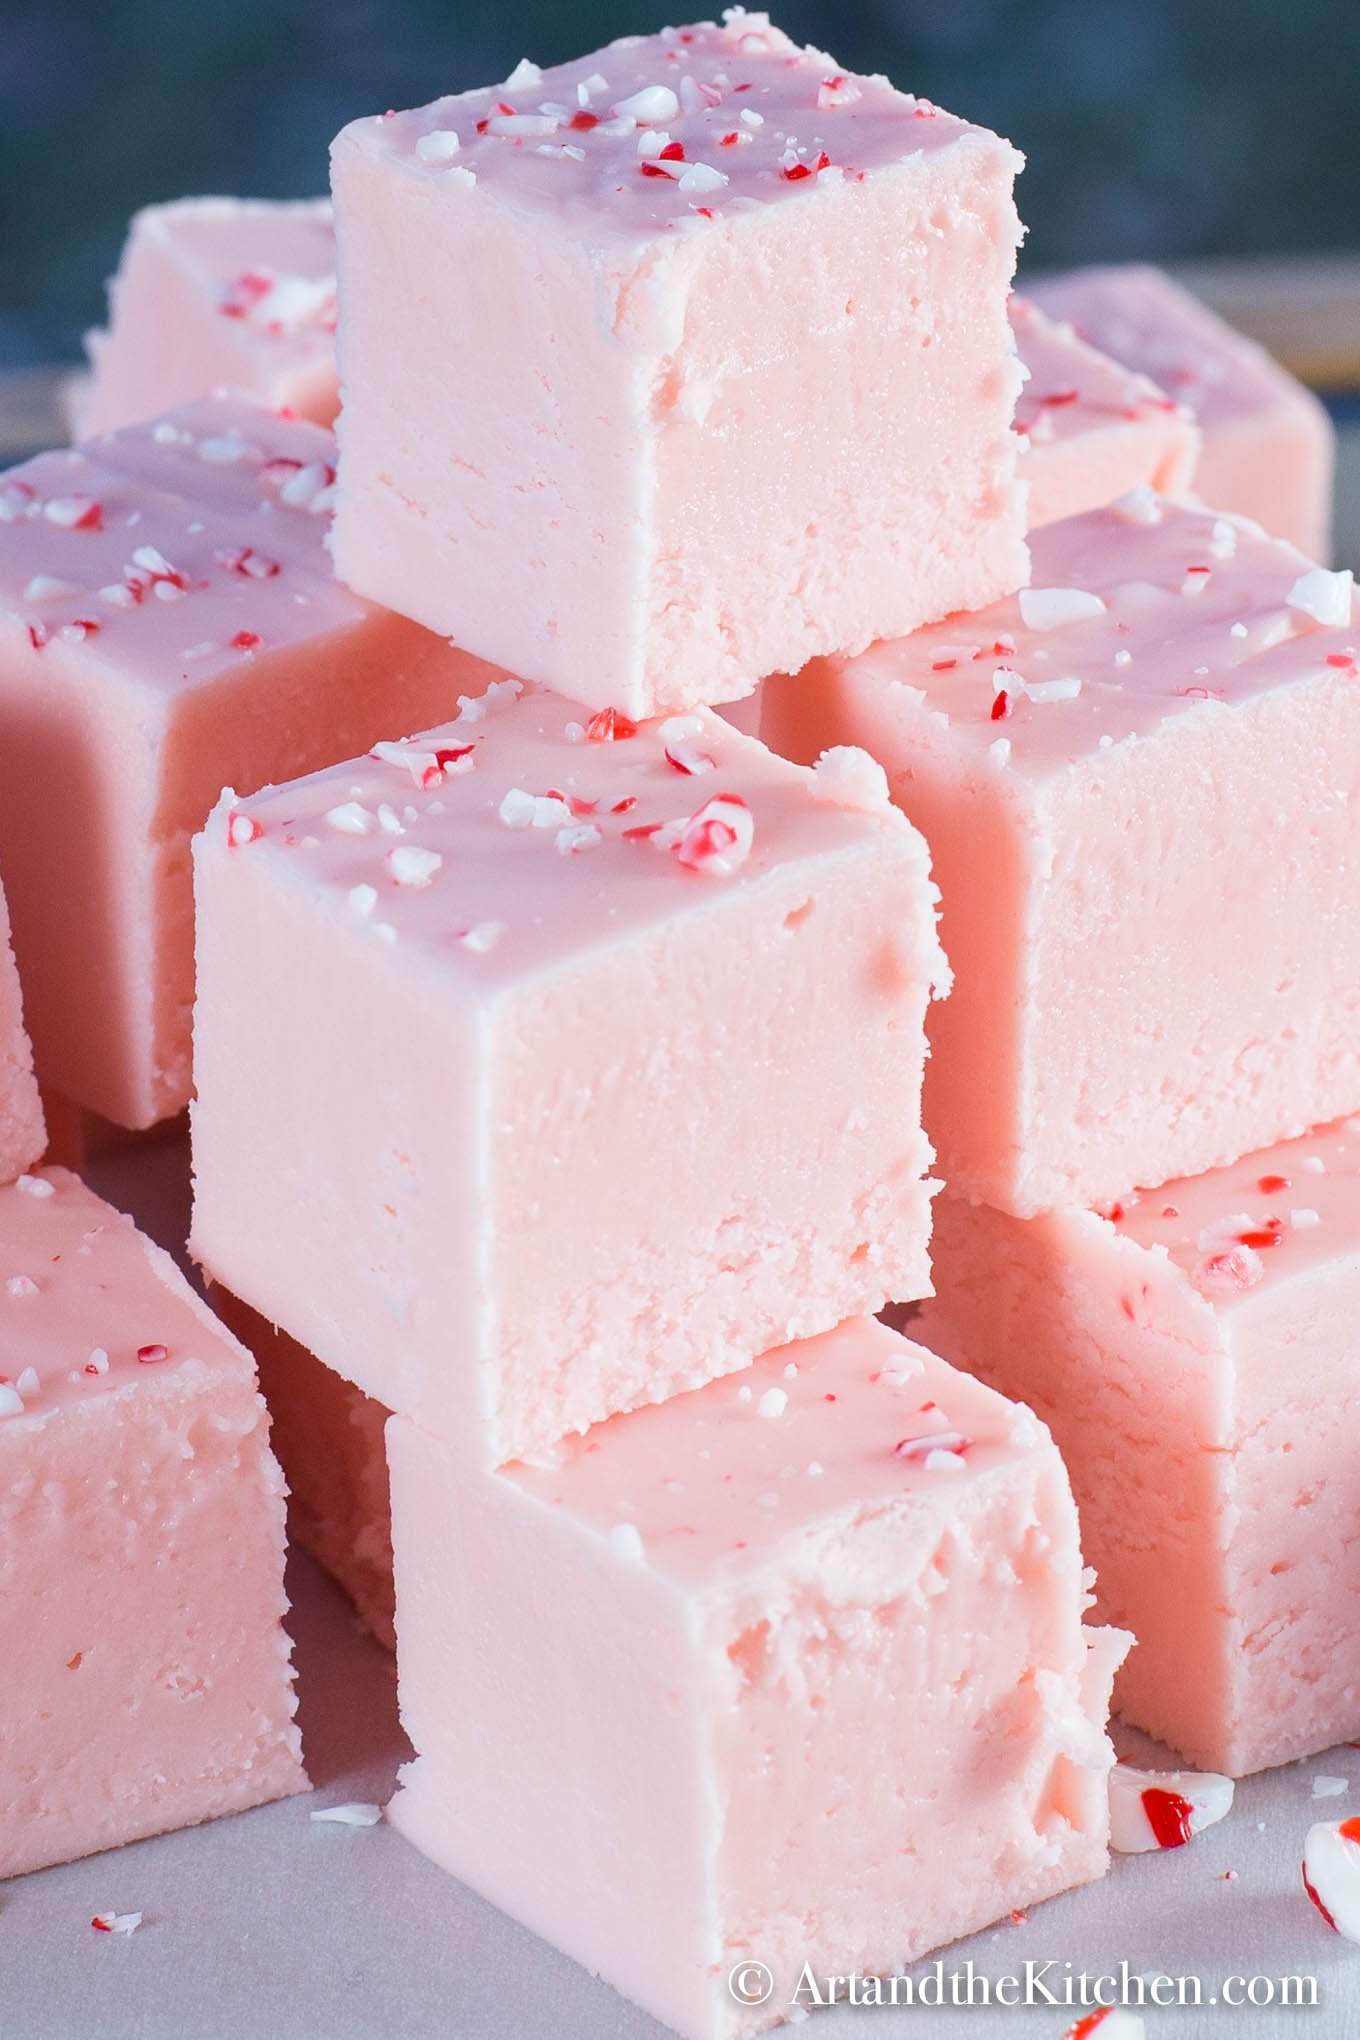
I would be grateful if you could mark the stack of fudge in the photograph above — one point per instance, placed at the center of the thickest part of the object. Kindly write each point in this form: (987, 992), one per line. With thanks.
(570, 1059)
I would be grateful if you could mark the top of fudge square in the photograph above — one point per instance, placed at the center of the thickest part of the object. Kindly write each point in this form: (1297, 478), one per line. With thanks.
(1137, 614)
(177, 545)
(1142, 317)
(1280, 1213)
(1071, 387)
(665, 130)
(90, 1309)
(529, 830)
(266, 265)
(712, 1483)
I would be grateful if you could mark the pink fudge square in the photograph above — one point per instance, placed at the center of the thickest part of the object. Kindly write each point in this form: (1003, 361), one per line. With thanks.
(217, 293)
(539, 1077)
(1140, 783)
(1195, 1355)
(23, 1135)
(761, 1673)
(147, 1678)
(1269, 447)
(328, 1437)
(1089, 429)
(169, 622)
(675, 365)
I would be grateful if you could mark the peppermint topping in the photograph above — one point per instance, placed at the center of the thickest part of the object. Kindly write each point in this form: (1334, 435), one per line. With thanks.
(242, 829)
(1229, 1272)
(1324, 596)
(351, 818)
(625, 1541)
(1052, 608)
(653, 104)
(850, 778)
(438, 147)
(1331, 1874)
(717, 839)
(483, 936)
(411, 866)
(116, 1922)
(354, 1813)
(1163, 1809)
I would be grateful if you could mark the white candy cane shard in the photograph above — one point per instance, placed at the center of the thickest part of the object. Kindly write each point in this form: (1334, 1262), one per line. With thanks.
(1324, 596)
(1163, 1809)
(1331, 1874)
(355, 1813)
(1111, 2022)
(1051, 608)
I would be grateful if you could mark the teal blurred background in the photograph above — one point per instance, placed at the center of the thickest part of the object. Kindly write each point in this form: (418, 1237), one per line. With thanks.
(1166, 128)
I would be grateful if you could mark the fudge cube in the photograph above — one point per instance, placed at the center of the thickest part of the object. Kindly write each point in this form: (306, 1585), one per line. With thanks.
(583, 1057)
(1140, 783)
(23, 1134)
(790, 1668)
(169, 623)
(1090, 430)
(147, 1677)
(217, 293)
(1196, 1345)
(1269, 448)
(328, 1438)
(675, 365)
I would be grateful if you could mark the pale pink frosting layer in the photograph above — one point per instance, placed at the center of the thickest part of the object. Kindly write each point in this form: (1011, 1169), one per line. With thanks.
(615, 1155)
(650, 132)
(1138, 781)
(1091, 430)
(1280, 1215)
(217, 292)
(1268, 448)
(771, 1577)
(169, 623)
(675, 365)
(147, 1673)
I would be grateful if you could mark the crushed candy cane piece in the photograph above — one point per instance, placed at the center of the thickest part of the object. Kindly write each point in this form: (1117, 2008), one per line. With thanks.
(1323, 595)
(412, 866)
(1163, 1809)
(850, 778)
(1110, 2022)
(625, 1541)
(1052, 608)
(717, 838)
(116, 1922)
(354, 1813)
(1331, 1874)
(439, 146)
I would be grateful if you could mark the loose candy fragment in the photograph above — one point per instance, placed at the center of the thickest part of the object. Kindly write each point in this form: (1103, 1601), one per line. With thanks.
(1163, 1809)
(1331, 1874)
